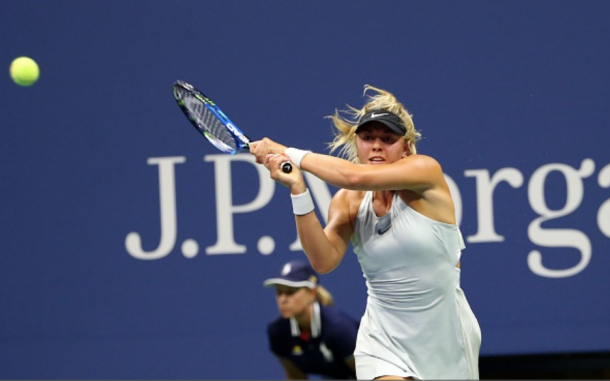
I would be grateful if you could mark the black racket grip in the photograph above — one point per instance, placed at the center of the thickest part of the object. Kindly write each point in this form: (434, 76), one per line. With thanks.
(286, 167)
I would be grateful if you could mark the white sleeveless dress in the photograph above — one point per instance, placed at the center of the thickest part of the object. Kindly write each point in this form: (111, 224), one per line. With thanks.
(417, 322)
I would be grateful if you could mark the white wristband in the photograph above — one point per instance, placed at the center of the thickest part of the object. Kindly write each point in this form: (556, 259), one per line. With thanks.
(302, 204)
(296, 155)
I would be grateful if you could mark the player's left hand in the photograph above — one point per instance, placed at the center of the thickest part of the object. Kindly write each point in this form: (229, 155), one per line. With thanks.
(264, 147)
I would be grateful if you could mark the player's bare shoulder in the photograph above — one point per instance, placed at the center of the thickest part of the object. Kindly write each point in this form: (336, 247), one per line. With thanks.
(347, 196)
(344, 210)
(424, 162)
(350, 201)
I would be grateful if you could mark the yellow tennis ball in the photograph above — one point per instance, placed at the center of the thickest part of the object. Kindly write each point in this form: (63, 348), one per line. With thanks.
(24, 71)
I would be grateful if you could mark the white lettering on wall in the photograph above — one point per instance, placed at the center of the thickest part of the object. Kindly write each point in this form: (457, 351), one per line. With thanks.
(167, 201)
(603, 214)
(558, 237)
(225, 240)
(485, 205)
(485, 187)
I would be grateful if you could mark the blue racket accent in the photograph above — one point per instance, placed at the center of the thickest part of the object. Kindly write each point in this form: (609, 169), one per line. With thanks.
(211, 122)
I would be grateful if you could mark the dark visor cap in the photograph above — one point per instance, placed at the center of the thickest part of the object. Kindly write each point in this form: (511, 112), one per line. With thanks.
(389, 119)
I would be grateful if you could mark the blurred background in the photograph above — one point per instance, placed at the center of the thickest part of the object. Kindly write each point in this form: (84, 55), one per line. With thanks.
(131, 248)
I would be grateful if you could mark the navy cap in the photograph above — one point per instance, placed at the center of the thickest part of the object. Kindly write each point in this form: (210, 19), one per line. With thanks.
(389, 119)
(295, 274)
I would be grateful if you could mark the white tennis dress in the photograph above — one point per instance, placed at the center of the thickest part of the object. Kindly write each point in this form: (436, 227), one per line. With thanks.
(417, 321)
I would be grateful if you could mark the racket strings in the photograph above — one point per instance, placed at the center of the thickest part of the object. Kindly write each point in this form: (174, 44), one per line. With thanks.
(208, 123)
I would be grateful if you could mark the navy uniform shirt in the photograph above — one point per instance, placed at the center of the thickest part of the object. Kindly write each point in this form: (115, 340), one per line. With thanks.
(325, 350)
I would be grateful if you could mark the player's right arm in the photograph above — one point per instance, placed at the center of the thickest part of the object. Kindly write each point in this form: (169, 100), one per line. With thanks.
(325, 247)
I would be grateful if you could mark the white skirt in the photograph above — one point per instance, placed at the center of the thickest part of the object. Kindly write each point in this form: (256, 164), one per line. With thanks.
(391, 343)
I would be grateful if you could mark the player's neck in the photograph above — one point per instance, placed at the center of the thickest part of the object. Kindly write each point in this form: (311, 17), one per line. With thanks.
(382, 201)
(384, 196)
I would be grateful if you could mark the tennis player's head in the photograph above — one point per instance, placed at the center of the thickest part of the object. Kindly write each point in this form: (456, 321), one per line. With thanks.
(297, 288)
(381, 109)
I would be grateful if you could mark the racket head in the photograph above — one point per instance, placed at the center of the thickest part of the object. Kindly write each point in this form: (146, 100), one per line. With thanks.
(208, 119)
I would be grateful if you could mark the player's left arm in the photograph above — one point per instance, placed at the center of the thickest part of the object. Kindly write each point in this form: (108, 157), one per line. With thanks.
(416, 172)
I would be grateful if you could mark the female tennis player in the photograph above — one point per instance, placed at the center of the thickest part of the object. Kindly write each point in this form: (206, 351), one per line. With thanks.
(311, 337)
(395, 207)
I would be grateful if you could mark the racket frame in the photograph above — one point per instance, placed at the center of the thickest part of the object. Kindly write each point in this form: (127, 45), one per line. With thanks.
(241, 140)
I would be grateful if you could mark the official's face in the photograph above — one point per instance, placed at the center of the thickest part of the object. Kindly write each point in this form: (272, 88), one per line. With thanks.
(293, 301)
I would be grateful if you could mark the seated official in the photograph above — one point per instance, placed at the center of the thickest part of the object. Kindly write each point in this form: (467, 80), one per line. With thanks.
(311, 336)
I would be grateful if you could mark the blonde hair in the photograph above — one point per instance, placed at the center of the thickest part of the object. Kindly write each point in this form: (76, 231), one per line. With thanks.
(323, 296)
(345, 134)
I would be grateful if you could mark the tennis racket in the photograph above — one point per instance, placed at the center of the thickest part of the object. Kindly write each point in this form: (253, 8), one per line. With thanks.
(211, 122)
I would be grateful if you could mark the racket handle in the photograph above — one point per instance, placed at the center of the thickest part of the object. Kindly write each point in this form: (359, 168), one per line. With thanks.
(286, 167)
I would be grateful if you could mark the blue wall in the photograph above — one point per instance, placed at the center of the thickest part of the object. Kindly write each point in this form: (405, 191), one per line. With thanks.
(511, 97)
